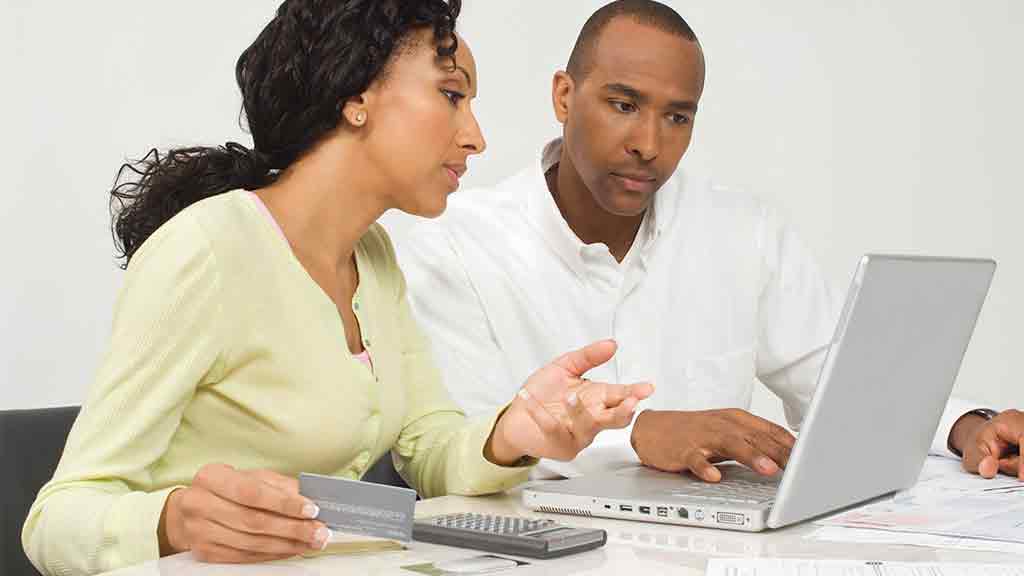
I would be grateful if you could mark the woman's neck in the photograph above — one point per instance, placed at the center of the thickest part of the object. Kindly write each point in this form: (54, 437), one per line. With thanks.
(325, 202)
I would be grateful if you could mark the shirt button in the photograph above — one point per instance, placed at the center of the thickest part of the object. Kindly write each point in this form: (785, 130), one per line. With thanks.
(366, 343)
(355, 305)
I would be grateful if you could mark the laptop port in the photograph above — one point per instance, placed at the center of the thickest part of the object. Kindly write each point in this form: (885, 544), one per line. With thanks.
(682, 512)
(663, 511)
(645, 509)
(625, 508)
(730, 518)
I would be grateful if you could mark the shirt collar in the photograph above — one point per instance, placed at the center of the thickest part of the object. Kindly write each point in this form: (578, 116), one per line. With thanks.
(544, 213)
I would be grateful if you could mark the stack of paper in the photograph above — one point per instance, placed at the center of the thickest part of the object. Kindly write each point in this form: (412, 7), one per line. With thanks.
(795, 567)
(948, 508)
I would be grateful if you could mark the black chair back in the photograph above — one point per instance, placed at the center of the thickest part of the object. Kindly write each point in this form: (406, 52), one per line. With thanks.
(31, 443)
(383, 472)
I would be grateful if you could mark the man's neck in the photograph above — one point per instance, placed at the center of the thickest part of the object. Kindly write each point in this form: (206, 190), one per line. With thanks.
(591, 223)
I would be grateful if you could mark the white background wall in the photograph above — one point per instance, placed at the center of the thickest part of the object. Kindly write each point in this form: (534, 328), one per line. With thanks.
(876, 126)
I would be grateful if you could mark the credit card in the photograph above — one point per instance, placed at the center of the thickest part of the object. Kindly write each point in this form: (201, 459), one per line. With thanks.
(361, 508)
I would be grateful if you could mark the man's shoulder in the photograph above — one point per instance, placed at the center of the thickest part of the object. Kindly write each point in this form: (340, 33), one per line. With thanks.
(703, 193)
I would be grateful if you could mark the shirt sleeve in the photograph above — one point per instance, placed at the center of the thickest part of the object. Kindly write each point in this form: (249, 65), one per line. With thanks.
(438, 450)
(98, 512)
(797, 313)
(445, 302)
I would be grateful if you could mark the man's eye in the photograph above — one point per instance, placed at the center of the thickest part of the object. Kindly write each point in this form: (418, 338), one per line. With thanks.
(680, 119)
(624, 107)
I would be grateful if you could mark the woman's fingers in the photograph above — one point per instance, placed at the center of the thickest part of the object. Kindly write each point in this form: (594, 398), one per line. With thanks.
(287, 484)
(578, 362)
(220, 534)
(248, 490)
(611, 395)
(228, 515)
(247, 520)
(558, 439)
(220, 554)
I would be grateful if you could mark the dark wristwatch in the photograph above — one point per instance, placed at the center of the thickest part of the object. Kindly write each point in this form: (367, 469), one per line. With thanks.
(986, 413)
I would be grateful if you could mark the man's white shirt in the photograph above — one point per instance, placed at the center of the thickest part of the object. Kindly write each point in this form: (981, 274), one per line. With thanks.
(715, 293)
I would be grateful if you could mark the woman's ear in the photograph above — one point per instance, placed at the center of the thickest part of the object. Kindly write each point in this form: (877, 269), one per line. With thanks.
(356, 110)
(562, 88)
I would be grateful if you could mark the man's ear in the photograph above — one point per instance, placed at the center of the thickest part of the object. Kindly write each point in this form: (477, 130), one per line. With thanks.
(562, 89)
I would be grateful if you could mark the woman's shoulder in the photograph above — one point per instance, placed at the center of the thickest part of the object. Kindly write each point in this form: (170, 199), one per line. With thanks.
(198, 230)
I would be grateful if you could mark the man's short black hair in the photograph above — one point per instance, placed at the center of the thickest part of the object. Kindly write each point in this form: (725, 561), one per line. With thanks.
(646, 12)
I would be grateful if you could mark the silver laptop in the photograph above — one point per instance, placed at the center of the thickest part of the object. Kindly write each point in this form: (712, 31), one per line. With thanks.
(886, 379)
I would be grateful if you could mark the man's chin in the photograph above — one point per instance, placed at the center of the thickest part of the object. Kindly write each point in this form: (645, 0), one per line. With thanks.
(627, 205)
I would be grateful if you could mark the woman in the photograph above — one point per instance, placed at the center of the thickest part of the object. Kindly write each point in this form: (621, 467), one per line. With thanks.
(260, 334)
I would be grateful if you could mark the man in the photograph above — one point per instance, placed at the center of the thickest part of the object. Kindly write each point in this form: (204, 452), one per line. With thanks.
(703, 288)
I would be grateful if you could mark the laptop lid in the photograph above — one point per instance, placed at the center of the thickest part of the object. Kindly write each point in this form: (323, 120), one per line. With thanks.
(885, 382)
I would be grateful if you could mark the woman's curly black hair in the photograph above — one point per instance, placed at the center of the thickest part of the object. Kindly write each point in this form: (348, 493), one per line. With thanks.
(295, 79)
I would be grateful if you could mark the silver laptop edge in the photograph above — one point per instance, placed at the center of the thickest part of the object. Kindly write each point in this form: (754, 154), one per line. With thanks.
(881, 392)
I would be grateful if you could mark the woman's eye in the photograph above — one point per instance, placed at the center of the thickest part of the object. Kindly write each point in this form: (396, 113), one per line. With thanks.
(624, 107)
(453, 96)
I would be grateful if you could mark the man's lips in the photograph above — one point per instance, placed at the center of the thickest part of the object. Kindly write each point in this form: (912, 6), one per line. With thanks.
(635, 182)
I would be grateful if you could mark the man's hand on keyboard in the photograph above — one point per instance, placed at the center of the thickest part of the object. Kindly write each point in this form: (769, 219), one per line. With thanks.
(677, 441)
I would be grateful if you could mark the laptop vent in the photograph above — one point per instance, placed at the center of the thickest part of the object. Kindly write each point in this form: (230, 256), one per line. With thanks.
(558, 510)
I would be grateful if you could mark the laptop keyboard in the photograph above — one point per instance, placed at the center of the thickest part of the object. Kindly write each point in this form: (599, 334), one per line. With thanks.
(735, 490)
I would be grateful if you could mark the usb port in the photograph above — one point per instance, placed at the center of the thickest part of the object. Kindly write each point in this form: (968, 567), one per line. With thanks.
(645, 509)
(663, 511)
(625, 508)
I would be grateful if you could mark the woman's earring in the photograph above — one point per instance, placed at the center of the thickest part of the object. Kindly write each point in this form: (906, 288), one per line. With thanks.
(360, 118)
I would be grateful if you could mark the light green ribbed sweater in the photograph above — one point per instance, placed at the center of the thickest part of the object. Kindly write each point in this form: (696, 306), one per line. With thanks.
(225, 350)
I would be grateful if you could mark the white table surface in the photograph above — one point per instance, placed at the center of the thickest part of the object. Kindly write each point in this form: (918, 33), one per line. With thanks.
(644, 549)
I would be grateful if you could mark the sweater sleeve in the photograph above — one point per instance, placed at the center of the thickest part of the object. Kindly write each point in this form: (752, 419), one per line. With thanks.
(101, 511)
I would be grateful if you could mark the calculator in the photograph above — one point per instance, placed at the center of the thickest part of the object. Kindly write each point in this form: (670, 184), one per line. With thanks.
(534, 538)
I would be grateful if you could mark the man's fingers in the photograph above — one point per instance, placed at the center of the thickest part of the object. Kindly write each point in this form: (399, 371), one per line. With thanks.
(578, 362)
(701, 468)
(740, 449)
(1007, 434)
(250, 491)
(1011, 466)
(765, 426)
(782, 436)
(777, 451)
(987, 467)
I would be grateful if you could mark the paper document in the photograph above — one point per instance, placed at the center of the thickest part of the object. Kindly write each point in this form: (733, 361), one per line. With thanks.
(888, 537)
(947, 502)
(798, 567)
